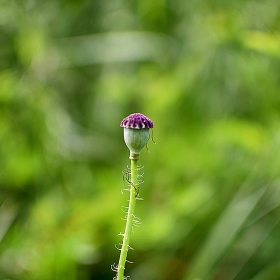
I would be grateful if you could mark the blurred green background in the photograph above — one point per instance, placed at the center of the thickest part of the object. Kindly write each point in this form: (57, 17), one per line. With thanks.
(206, 72)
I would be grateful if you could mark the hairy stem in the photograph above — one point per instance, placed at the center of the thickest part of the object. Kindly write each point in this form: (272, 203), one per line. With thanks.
(129, 220)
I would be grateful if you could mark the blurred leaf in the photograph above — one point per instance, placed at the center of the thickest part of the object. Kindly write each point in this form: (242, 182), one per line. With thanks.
(223, 234)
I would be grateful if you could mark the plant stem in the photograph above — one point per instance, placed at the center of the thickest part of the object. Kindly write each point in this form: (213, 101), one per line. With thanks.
(129, 220)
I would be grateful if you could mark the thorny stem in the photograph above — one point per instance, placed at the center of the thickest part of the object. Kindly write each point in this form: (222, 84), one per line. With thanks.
(129, 220)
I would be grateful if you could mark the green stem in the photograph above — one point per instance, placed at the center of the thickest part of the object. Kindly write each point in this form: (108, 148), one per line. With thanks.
(129, 220)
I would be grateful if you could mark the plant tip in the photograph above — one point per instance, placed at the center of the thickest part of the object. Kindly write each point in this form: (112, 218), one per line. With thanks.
(136, 133)
(137, 121)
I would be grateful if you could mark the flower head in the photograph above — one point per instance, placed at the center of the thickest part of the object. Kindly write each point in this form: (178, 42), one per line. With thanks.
(136, 133)
(137, 121)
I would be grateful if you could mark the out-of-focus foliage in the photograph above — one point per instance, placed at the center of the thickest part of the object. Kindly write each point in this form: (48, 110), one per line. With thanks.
(206, 72)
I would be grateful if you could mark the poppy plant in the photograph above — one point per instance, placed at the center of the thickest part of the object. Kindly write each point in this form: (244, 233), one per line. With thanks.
(136, 135)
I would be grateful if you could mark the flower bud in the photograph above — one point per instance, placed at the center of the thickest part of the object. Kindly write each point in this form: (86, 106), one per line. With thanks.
(136, 133)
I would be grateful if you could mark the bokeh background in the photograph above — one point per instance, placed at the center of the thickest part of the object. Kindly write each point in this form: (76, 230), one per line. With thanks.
(206, 72)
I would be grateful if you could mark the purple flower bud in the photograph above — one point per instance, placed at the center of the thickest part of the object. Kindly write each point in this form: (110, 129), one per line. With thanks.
(136, 133)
